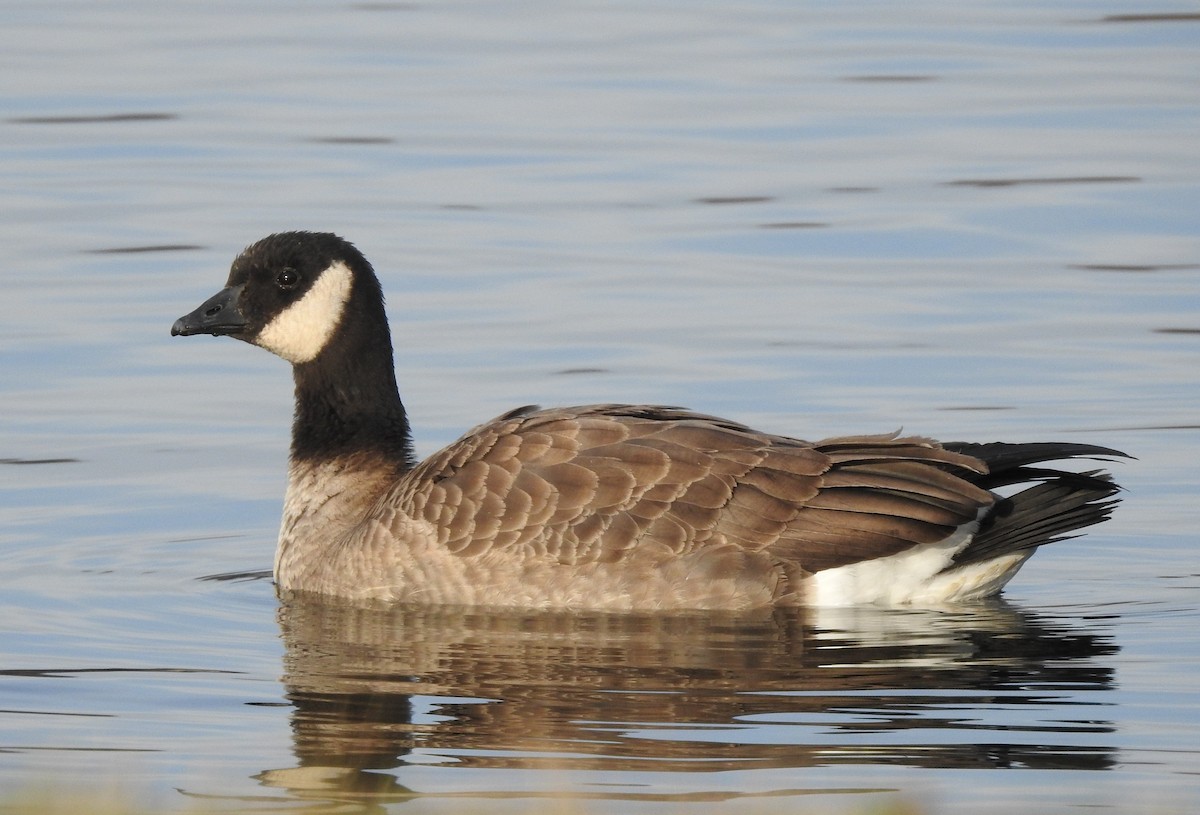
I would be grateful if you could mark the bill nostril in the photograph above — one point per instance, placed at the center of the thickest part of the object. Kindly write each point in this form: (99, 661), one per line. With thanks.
(214, 310)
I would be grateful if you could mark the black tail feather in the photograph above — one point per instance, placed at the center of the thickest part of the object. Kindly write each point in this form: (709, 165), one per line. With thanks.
(1052, 510)
(1007, 463)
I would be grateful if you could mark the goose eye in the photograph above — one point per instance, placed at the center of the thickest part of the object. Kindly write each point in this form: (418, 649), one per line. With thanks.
(287, 278)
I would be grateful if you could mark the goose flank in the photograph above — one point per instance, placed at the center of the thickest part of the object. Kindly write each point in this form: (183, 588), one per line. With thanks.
(618, 507)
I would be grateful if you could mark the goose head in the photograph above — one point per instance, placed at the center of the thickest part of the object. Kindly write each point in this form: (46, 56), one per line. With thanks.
(295, 294)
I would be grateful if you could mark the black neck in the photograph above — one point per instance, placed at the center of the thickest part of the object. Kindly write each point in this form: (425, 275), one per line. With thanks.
(347, 402)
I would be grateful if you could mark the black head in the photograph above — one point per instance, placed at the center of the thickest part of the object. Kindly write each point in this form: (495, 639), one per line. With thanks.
(289, 293)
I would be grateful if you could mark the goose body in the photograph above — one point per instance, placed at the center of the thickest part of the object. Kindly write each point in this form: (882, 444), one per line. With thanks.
(611, 506)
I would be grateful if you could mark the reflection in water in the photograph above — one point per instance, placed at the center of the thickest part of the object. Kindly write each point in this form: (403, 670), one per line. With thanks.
(376, 690)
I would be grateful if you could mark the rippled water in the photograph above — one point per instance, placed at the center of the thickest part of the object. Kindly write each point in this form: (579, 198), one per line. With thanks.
(975, 222)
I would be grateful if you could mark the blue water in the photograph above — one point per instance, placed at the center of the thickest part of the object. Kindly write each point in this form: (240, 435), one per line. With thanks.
(973, 222)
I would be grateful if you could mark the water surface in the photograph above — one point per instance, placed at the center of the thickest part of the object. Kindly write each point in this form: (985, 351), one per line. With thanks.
(972, 222)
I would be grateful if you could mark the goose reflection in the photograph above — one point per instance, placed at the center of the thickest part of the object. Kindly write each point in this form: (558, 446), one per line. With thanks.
(378, 691)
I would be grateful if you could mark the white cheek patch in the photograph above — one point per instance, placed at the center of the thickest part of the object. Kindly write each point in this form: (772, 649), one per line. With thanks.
(300, 332)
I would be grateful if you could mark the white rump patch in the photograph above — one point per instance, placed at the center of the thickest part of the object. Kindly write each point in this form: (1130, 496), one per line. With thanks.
(299, 332)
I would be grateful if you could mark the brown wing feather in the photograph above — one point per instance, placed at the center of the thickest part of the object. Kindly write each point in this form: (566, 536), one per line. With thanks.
(591, 484)
(881, 496)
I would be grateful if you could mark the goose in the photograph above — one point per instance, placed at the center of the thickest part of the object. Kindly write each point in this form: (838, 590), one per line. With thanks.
(612, 506)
